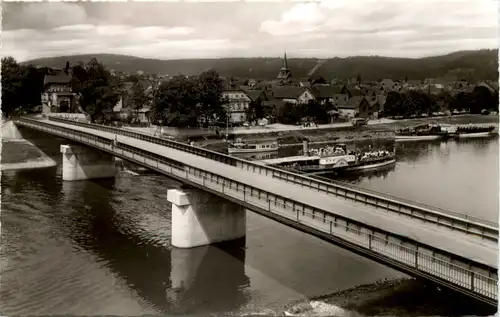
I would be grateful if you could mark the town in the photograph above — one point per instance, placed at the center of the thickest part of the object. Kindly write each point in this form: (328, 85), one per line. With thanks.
(240, 158)
(208, 99)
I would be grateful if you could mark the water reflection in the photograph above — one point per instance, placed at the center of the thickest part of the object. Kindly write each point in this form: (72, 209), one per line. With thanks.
(436, 173)
(205, 279)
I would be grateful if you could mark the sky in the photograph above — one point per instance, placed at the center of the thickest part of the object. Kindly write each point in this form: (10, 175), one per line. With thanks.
(252, 28)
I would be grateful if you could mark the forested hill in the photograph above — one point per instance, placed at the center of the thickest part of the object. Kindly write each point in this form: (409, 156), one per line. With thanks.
(472, 65)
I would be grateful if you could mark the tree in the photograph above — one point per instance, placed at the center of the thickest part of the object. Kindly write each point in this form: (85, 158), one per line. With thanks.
(139, 97)
(393, 104)
(255, 110)
(96, 89)
(317, 111)
(209, 89)
(12, 81)
(177, 101)
(21, 87)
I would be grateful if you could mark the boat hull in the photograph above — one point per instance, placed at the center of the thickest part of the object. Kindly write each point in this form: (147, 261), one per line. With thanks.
(417, 137)
(474, 135)
(370, 166)
(261, 150)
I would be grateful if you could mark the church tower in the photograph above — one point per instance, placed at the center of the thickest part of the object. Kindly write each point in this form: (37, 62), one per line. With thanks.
(284, 73)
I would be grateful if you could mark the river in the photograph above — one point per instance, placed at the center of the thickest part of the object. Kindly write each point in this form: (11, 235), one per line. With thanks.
(102, 247)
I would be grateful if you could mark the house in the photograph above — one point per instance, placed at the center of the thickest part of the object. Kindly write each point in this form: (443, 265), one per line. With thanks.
(369, 110)
(57, 95)
(238, 103)
(351, 108)
(357, 105)
(326, 93)
(289, 94)
(306, 96)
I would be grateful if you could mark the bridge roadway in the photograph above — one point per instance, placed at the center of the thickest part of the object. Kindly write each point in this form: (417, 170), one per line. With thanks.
(457, 260)
(481, 251)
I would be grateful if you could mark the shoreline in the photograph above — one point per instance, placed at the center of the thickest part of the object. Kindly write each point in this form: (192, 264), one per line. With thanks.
(397, 297)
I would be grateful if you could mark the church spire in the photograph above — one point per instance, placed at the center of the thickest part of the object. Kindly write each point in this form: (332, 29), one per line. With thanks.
(285, 63)
(284, 72)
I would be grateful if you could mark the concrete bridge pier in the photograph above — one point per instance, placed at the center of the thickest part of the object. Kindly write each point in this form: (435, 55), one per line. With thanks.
(200, 218)
(81, 162)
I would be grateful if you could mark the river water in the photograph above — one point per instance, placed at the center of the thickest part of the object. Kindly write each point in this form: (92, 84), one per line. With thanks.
(102, 247)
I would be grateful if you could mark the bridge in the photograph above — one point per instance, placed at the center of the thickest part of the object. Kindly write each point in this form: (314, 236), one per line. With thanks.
(453, 250)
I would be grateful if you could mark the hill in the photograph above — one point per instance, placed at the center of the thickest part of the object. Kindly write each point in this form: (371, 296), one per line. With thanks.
(473, 65)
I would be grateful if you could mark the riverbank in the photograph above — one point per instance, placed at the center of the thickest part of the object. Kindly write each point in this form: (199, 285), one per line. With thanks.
(20, 154)
(403, 297)
(377, 130)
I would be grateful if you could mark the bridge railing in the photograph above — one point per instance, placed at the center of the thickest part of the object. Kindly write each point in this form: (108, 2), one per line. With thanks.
(405, 254)
(455, 221)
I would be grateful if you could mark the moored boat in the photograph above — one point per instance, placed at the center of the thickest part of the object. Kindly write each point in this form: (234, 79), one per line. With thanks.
(474, 131)
(335, 159)
(383, 159)
(422, 132)
(240, 146)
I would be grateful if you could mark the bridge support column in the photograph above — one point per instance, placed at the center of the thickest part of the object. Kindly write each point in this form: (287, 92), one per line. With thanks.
(200, 218)
(80, 163)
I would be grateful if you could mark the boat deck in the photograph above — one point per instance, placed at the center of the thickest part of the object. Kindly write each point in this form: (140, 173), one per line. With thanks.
(289, 159)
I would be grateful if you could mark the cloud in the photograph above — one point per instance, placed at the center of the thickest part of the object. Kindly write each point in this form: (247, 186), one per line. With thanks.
(307, 29)
(391, 27)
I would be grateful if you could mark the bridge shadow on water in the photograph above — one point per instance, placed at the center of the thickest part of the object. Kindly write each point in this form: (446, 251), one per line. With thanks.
(207, 279)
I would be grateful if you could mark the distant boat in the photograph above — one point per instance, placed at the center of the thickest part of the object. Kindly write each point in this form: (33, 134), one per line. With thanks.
(422, 132)
(474, 131)
(246, 147)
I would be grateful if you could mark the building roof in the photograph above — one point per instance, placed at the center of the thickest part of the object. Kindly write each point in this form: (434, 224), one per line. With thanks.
(254, 94)
(61, 78)
(354, 102)
(287, 92)
(325, 91)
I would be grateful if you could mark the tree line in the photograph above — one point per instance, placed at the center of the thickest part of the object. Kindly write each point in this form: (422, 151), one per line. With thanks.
(413, 102)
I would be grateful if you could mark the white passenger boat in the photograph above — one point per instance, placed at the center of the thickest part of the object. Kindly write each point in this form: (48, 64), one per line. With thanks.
(336, 158)
(474, 131)
(246, 147)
